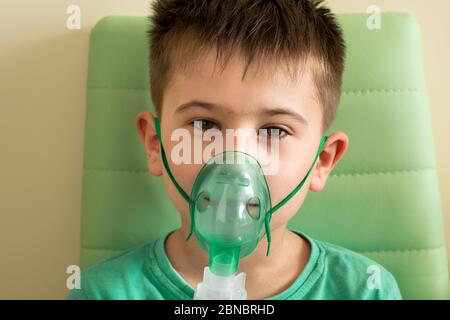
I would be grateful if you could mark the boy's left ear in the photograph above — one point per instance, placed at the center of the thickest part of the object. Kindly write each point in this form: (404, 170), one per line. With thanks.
(332, 152)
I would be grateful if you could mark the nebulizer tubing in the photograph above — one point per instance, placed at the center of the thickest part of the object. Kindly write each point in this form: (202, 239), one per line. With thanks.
(220, 279)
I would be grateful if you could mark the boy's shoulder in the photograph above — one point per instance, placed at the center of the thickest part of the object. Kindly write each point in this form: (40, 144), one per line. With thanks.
(347, 274)
(111, 277)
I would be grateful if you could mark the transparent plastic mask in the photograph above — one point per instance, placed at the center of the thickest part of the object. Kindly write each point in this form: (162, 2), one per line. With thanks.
(230, 201)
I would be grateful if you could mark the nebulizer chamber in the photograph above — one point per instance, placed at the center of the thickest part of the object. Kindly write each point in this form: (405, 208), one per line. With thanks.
(230, 199)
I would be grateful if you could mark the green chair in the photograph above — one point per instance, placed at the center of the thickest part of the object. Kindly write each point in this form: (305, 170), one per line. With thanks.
(382, 200)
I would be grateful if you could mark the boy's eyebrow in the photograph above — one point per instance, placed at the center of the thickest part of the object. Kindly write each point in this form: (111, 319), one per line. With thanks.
(199, 104)
(262, 112)
(283, 112)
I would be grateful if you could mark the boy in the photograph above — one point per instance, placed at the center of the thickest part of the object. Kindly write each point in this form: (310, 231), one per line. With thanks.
(274, 67)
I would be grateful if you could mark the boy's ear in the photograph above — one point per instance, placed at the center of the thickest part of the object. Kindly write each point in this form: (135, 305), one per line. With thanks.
(333, 150)
(147, 132)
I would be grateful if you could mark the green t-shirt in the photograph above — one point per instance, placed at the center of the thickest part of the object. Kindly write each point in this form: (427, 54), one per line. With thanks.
(145, 272)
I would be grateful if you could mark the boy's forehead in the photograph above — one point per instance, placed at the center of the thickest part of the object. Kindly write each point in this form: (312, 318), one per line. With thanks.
(206, 78)
(208, 67)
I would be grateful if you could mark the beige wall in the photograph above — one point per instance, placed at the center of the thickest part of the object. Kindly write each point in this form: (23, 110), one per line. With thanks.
(42, 94)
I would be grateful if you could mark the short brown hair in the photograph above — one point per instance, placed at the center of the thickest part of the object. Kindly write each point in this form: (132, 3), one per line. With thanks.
(291, 31)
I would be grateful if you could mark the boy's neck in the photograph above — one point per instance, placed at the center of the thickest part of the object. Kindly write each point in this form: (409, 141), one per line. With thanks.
(289, 253)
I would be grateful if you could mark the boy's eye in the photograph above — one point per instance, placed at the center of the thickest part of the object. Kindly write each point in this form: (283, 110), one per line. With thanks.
(204, 124)
(273, 132)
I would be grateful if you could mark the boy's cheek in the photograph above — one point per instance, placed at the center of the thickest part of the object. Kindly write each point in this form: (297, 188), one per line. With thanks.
(175, 197)
(289, 209)
(288, 177)
(185, 175)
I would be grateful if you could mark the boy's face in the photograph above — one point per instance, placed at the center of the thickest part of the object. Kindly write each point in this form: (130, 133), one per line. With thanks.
(266, 100)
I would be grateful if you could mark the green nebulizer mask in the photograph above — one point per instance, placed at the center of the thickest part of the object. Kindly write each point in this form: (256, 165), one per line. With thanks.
(230, 211)
(231, 202)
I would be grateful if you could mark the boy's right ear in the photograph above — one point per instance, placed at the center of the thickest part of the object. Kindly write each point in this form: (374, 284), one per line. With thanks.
(145, 125)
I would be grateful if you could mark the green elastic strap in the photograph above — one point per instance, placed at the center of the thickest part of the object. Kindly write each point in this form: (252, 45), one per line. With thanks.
(174, 181)
(166, 164)
(290, 195)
